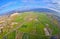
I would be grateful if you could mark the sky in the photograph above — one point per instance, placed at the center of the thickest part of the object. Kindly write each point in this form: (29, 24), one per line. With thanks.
(9, 5)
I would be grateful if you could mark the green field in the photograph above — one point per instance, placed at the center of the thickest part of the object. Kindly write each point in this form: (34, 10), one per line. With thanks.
(32, 25)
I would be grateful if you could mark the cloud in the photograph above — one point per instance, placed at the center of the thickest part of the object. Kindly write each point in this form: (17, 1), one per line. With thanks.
(30, 1)
(6, 5)
(54, 9)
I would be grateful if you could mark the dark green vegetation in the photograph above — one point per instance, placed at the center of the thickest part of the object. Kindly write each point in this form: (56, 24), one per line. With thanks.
(32, 25)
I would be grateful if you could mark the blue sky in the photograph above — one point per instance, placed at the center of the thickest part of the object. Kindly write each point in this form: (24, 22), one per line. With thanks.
(9, 5)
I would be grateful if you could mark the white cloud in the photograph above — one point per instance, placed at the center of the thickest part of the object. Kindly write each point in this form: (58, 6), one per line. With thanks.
(6, 5)
(54, 9)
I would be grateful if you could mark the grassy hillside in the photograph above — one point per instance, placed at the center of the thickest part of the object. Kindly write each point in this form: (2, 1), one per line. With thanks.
(31, 24)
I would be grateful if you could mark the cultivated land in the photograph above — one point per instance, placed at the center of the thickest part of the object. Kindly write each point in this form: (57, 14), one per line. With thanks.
(28, 25)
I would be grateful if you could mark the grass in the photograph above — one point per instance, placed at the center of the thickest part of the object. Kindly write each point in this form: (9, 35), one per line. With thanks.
(33, 28)
(11, 35)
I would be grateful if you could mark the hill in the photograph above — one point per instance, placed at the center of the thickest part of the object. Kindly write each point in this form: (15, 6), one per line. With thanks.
(34, 10)
(29, 25)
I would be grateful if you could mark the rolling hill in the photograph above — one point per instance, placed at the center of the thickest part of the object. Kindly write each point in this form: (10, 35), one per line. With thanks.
(34, 10)
(30, 25)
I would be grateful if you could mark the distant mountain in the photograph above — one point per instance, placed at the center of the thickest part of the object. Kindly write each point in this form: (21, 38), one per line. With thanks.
(40, 10)
(35, 10)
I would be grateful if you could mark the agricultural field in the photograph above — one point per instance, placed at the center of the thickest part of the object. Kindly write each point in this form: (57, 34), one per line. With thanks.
(29, 25)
